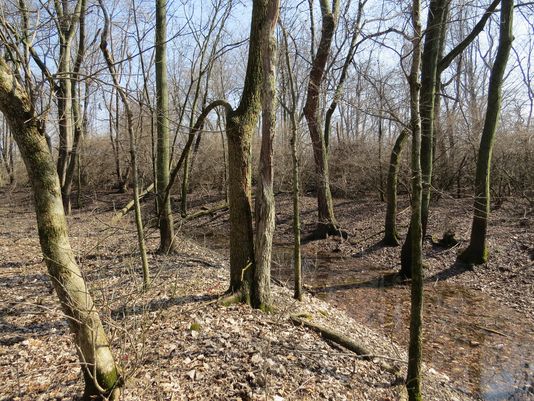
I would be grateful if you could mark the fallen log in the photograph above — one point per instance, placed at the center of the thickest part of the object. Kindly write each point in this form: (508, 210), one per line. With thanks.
(346, 342)
(201, 213)
(334, 336)
(129, 206)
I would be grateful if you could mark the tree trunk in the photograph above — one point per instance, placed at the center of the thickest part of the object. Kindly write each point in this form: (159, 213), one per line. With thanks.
(166, 225)
(327, 224)
(76, 115)
(436, 26)
(413, 380)
(292, 111)
(240, 126)
(391, 237)
(477, 252)
(239, 133)
(67, 23)
(265, 207)
(297, 260)
(429, 69)
(102, 377)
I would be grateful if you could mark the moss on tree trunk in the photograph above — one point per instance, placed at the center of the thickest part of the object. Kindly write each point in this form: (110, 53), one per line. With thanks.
(102, 376)
(391, 237)
(327, 224)
(477, 251)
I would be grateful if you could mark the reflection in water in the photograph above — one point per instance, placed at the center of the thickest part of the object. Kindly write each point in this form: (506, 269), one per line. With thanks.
(483, 347)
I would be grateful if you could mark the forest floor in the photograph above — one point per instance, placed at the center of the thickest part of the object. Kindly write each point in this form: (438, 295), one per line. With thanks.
(177, 342)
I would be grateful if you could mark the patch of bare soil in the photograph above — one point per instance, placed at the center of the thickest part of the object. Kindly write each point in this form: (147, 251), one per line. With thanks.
(479, 321)
(176, 341)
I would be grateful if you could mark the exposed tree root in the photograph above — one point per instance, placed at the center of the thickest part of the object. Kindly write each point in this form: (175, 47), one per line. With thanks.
(325, 230)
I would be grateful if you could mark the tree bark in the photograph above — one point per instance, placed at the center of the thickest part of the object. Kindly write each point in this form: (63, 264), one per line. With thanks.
(391, 237)
(477, 251)
(413, 380)
(102, 376)
(240, 126)
(327, 223)
(429, 70)
(66, 118)
(292, 111)
(165, 220)
(264, 206)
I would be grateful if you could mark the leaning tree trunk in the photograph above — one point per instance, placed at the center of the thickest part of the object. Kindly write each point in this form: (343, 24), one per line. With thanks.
(327, 224)
(413, 379)
(429, 69)
(102, 376)
(166, 225)
(391, 237)
(477, 251)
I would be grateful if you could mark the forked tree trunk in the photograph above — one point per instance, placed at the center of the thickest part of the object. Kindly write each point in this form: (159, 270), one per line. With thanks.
(166, 225)
(413, 380)
(477, 251)
(327, 224)
(67, 23)
(76, 114)
(240, 127)
(102, 376)
(391, 237)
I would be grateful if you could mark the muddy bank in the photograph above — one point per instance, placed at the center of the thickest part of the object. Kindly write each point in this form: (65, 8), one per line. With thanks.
(479, 323)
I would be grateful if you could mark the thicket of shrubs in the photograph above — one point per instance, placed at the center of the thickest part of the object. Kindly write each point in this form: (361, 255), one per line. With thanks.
(355, 168)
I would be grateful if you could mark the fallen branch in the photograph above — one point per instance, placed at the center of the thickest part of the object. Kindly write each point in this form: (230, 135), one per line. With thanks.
(344, 341)
(201, 213)
(129, 206)
(334, 336)
(491, 331)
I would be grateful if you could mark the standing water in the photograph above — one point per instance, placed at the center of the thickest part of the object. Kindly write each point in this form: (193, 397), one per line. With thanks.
(486, 349)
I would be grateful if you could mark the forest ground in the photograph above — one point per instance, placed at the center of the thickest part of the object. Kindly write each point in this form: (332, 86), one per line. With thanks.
(176, 342)
(479, 321)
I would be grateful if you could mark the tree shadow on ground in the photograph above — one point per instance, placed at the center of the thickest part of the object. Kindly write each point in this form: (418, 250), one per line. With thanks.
(370, 249)
(456, 269)
(125, 311)
(12, 333)
(383, 281)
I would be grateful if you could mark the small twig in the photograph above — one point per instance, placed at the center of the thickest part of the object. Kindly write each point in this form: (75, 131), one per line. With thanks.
(492, 331)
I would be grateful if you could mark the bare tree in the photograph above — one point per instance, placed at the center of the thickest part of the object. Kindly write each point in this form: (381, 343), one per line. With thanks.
(101, 374)
(291, 109)
(327, 224)
(477, 251)
(413, 380)
(166, 225)
(133, 148)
